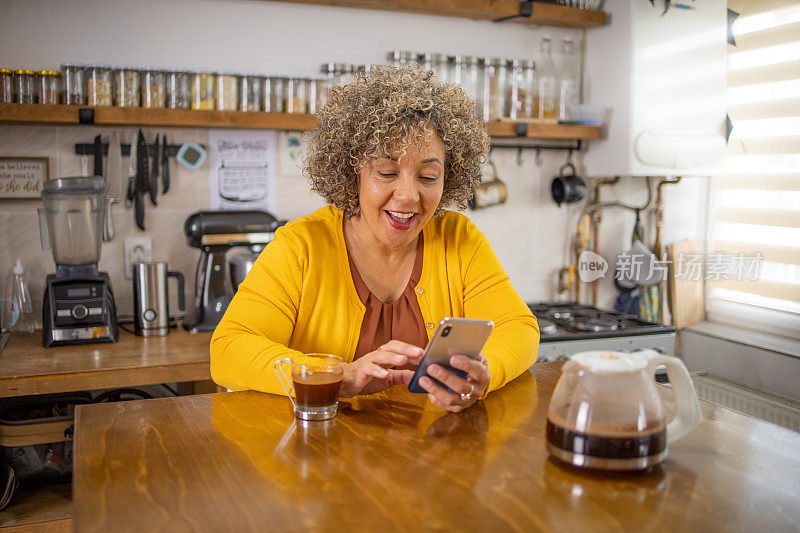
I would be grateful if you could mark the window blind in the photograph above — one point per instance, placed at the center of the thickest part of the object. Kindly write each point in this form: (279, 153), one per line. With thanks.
(757, 204)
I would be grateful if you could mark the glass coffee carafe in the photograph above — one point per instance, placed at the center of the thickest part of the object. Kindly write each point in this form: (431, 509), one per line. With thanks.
(73, 214)
(606, 412)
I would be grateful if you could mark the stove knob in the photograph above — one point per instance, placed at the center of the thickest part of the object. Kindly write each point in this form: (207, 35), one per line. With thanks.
(149, 315)
(80, 312)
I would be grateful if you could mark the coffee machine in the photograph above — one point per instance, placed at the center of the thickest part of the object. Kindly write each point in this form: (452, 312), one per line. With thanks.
(216, 232)
(78, 306)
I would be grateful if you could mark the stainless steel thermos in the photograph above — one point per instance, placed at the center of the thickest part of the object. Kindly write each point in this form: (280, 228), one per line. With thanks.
(151, 298)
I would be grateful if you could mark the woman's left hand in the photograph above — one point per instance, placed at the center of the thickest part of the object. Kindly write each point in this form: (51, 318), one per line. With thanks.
(467, 391)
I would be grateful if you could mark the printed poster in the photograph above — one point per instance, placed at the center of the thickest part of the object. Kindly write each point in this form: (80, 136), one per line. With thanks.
(241, 166)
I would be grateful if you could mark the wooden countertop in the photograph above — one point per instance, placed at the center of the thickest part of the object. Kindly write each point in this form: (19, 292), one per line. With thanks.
(388, 462)
(26, 367)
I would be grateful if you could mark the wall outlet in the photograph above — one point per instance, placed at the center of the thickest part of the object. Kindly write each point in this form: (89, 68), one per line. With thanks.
(137, 249)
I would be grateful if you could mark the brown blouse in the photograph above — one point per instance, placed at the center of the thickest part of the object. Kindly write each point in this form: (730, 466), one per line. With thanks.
(401, 319)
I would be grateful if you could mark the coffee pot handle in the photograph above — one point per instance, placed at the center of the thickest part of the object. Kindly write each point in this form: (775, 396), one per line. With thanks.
(689, 415)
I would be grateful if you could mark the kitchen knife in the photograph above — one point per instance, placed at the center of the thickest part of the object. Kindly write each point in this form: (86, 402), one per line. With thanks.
(114, 180)
(98, 156)
(130, 193)
(142, 175)
(164, 165)
(154, 173)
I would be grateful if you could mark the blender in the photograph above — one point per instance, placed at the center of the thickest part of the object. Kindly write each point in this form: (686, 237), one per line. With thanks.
(78, 305)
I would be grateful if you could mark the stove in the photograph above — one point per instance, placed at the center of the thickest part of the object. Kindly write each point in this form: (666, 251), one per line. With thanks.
(567, 328)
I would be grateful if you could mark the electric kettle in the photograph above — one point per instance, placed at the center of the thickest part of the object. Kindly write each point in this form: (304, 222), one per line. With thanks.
(151, 298)
(606, 412)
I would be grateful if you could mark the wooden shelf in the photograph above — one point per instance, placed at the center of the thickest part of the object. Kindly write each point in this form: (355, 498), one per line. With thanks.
(47, 508)
(121, 116)
(543, 14)
(137, 116)
(544, 130)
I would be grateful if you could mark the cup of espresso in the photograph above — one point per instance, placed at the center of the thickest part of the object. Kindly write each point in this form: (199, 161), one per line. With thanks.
(315, 383)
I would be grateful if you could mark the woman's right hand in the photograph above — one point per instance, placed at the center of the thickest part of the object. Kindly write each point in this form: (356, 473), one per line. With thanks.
(375, 371)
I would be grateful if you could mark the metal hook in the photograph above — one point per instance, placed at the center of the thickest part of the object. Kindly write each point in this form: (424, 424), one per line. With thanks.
(539, 160)
(569, 156)
(489, 156)
(519, 156)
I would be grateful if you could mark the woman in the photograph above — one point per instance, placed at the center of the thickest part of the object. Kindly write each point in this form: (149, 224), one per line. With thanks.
(368, 277)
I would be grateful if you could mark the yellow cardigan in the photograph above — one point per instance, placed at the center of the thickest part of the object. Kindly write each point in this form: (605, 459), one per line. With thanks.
(299, 298)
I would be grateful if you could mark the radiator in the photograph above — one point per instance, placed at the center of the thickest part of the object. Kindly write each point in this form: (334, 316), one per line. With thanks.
(754, 402)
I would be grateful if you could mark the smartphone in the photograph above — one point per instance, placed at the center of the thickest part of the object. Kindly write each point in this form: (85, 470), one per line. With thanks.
(454, 336)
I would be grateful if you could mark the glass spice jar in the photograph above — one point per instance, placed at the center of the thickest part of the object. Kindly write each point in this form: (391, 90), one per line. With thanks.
(177, 88)
(154, 94)
(74, 89)
(274, 90)
(126, 86)
(493, 88)
(519, 88)
(226, 91)
(47, 90)
(296, 95)
(23, 87)
(250, 86)
(6, 86)
(436, 63)
(202, 93)
(98, 85)
(467, 75)
(399, 58)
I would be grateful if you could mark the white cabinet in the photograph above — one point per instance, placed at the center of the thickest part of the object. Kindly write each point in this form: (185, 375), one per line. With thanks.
(664, 78)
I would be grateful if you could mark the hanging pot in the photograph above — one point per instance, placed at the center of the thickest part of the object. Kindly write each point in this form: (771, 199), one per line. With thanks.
(488, 193)
(567, 188)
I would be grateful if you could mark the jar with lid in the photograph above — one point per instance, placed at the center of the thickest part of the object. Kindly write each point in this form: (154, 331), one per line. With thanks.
(74, 89)
(494, 87)
(274, 94)
(227, 89)
(98, 85)
(436, 63)
(519, 100)
(23, 87)
(47, 89)
(154, 93)
(296, 95)
(6, 86)
(466, 72)
(126, 86)
(250, 87)
(318, 94)
(203, 88)
(399, 58)
(177, 88)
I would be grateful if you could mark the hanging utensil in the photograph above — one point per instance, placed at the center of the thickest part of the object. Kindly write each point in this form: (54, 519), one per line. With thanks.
(153, 179)
(142, 180)
(131, 192)
(164, 165)
(114, 179)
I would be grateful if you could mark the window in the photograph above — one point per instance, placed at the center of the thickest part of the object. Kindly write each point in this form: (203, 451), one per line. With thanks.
(756, 207)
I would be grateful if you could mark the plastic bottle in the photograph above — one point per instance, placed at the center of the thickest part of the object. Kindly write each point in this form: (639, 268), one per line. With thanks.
(547, 99)
(568, 67)
(20, 310)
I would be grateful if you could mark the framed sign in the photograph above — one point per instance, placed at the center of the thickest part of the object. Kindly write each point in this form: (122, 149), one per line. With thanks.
(22, 177)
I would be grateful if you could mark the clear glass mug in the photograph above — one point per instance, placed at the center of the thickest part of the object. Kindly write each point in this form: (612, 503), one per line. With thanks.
(315, 383)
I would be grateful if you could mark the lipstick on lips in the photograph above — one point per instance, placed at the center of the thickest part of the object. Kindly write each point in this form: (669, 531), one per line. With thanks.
(400, 220)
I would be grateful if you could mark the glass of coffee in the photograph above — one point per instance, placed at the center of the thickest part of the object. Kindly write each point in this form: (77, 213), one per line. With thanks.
(315, 383)
(606, 412)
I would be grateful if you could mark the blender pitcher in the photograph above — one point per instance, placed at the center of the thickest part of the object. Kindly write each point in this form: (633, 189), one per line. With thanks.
(71, 221)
